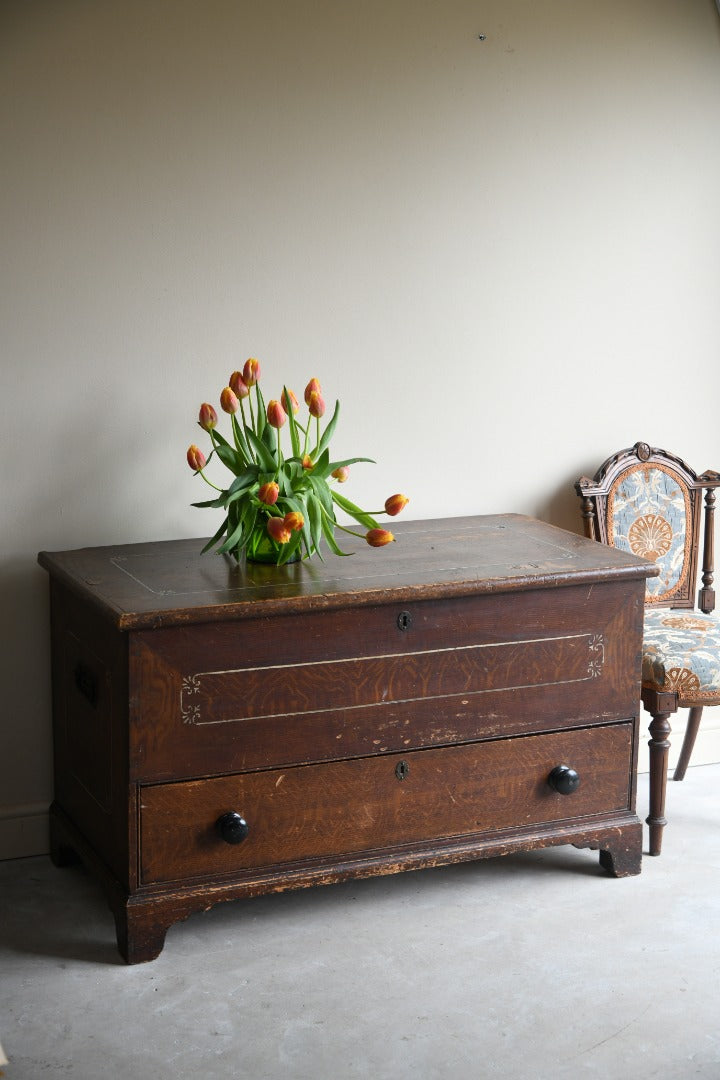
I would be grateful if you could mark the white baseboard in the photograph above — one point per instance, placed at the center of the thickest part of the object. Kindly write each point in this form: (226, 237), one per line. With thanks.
(24, 831)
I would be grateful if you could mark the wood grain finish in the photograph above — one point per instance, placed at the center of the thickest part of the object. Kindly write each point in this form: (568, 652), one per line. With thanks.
(398, 709)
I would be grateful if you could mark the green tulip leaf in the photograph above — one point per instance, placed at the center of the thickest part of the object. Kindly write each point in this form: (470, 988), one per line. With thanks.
(321, 469)
(354, 511)
(230, 458)
(270, 439)
(240, 440)
(214, 503)
(233, 538)
(216, 537)
(263, 455)
(261, 418)
(333, 465)
(322, 493)
(329, 431)
(329, 533)
(217, 437)
(289, 549)
(294, 437)
(245, 480)
(315, 516)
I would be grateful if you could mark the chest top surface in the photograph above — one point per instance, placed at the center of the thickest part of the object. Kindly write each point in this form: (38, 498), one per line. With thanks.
(169, 583)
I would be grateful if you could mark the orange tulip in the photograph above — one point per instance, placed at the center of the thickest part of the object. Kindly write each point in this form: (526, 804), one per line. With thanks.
(195, 458)
(238, 386)
(208, 417)
(316, 404)
(395, 504)
(307, 462)
(294, 521)
(268, 493)
(228, 401)
(379, 537)
(251, 372)
(278, 530)
(312, 387)
(341, 474)
(293, 404)
(276, 414)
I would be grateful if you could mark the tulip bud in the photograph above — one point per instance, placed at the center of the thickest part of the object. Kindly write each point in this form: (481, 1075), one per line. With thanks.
(294, 403)
(238, 386)
(251, 372)
(294, 521)
(307, 462)
(341, 474)
(276, 414)
(228, 401)
(208, 417)
(395, 504)
(313, 385)
(316, 405)
(195, 458)
(379, 537)
(268, 493)
(278, 530)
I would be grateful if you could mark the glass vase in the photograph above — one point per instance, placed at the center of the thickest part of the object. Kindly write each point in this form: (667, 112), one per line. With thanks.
(261, 548)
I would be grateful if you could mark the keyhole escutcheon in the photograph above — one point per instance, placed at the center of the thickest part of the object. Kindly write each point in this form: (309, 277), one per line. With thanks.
(402, 770)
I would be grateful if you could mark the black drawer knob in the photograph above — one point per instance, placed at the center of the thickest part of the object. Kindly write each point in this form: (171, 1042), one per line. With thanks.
(232, 827)
(564, 780)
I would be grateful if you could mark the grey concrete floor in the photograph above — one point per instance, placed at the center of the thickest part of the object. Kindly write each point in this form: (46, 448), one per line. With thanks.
(532, 966)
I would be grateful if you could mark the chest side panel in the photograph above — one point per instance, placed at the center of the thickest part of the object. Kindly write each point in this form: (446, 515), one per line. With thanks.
(90, 729)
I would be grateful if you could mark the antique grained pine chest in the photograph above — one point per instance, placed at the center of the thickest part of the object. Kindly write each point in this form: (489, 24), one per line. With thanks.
(225, 731)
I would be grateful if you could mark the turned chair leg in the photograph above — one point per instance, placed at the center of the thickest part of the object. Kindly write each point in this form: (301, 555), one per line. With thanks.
(659, 750)
(688, 742)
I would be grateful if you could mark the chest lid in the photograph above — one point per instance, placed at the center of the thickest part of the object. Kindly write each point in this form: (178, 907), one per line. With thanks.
(170, 583)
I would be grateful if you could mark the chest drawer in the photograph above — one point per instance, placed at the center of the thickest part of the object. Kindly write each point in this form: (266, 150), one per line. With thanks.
(314, 811)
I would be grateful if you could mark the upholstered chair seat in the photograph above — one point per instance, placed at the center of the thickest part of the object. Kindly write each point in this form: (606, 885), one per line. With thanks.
(681, 653)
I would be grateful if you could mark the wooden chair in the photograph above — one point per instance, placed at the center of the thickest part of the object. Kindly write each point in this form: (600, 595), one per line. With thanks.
(648, 501)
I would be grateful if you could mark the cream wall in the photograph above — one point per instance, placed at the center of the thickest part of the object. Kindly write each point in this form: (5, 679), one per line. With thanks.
(495, 252)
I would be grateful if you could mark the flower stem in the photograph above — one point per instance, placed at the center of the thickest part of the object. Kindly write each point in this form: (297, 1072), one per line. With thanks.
(337, 524)
(209, 481)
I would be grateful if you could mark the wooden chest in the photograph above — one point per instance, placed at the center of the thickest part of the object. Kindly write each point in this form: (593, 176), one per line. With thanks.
(224, 731)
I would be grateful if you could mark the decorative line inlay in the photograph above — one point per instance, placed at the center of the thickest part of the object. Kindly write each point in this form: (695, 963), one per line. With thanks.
(190, 712)
(596, 648)
(306, 687)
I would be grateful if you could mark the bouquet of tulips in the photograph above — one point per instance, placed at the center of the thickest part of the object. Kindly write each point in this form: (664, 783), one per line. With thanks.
(278, 508)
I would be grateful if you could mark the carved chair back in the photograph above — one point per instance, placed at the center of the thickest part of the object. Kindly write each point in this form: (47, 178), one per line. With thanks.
(650, 502)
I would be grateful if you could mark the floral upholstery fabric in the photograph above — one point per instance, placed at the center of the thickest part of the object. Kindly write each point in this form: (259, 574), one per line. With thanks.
(648, 511)
(681, 652)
